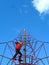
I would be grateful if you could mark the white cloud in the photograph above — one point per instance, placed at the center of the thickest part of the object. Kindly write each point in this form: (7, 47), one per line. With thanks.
(42, 6)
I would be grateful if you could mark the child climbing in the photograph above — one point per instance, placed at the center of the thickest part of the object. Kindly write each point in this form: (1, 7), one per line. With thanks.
(18, 46)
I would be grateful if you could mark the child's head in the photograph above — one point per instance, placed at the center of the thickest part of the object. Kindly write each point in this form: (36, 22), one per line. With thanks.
(19, 42)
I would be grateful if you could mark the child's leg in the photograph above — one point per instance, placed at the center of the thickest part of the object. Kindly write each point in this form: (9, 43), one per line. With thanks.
(14, 57)
(20, 56)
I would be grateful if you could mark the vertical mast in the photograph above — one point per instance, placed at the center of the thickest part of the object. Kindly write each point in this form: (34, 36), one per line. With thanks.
(24, 45)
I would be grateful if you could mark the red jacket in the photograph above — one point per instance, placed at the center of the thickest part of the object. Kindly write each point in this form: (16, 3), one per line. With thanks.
(18, 45)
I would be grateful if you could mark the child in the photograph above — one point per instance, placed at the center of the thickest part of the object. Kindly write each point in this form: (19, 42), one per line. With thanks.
(18, 47)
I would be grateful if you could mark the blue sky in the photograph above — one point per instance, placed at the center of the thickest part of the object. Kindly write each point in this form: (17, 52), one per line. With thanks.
(15, 15)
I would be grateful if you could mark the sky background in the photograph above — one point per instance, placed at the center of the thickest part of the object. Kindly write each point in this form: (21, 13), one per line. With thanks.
(15, 15)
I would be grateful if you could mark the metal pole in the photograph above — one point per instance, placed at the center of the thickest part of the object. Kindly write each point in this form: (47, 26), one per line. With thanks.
(24, 46)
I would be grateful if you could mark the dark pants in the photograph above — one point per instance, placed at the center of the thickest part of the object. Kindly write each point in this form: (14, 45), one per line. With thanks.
(18, 52)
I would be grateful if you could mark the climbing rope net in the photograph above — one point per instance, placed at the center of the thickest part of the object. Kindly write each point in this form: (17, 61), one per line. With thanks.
(37, 52)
